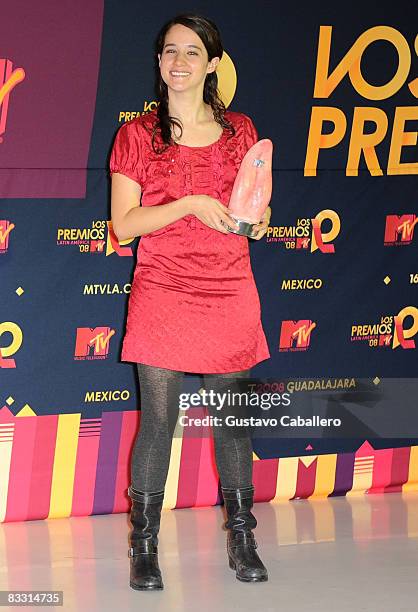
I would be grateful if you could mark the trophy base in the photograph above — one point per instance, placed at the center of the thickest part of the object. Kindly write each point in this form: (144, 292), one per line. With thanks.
(245, 228)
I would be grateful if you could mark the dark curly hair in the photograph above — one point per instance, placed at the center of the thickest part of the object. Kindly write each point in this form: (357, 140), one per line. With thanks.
(210, 36)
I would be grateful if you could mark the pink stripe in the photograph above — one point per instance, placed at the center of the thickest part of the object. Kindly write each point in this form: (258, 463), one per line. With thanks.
(189, 470)
(265, 479)
(85, 475)
(365, 450)
(382, 470)
(400, 469)
(42, 466)
(198, 478)
(305, 485)
(130, 426)
(89, 435)
(21, 469)
(208, 479)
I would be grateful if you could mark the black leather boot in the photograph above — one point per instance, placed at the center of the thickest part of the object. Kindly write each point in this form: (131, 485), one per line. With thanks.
(145, 517)
(241, 544)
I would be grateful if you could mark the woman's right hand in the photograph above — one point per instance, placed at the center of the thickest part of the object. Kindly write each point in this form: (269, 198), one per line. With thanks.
(211, 212)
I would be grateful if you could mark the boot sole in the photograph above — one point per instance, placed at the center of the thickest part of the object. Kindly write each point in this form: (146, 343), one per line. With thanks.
(145, 588)
(255, 579)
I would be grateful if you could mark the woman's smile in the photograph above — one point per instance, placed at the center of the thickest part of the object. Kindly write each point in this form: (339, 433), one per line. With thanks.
(178, 74)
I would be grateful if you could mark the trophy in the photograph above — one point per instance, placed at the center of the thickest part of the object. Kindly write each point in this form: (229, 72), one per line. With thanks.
(252, 188)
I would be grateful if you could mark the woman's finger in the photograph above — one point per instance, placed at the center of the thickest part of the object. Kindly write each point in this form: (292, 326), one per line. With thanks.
(259, 231)
(228, 220)
(221, 227)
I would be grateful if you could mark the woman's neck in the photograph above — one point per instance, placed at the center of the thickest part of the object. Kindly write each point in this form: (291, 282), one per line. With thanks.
(192, 111)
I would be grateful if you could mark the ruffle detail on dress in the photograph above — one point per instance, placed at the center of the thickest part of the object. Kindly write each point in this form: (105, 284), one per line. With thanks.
(217, 166)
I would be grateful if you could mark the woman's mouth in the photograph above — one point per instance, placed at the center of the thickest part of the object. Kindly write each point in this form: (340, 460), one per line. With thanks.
(179, 74)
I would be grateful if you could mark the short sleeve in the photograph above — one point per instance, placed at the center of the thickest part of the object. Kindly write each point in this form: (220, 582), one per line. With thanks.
(250, 132)
(127, 152)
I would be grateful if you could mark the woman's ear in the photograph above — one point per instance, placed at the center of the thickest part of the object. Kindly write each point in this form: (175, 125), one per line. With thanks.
(213, 64)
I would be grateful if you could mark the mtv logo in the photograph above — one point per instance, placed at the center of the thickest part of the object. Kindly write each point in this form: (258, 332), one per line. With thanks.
(94, 340)
(296, 334)
(400, 228)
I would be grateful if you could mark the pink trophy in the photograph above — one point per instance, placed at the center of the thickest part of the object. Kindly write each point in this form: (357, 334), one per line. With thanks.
(252, 188)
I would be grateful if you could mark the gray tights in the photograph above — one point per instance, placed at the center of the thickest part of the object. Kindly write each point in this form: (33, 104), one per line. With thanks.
(160, 389)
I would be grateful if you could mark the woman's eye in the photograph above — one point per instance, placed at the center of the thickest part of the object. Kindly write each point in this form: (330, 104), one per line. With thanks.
(173, 51)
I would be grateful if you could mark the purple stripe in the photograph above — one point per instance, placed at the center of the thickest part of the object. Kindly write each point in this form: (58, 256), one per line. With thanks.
(107, 463)
(343, 474)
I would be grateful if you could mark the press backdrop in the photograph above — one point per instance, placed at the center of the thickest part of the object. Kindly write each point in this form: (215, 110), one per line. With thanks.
(335, 87)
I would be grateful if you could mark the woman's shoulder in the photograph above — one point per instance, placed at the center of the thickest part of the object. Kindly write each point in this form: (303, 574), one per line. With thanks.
(147, 119)
(237, 118)
(245, 130)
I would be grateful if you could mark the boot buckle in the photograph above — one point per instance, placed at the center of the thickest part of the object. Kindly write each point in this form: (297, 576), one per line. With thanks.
(240, 538)
(150, 498)
(134, 551)
(238, 494)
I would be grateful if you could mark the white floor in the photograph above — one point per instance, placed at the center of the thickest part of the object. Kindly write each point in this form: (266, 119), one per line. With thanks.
(357, 553)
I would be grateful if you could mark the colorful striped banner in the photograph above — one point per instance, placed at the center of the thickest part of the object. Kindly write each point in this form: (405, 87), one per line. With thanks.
(59, 465)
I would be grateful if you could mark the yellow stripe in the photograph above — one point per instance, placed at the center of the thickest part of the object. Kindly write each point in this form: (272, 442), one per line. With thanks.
(64, 465)
(412, 483)
(325, 475)
(286, 478)
(172, 483)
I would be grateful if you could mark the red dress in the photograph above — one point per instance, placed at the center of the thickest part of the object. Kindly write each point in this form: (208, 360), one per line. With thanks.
(194, 305)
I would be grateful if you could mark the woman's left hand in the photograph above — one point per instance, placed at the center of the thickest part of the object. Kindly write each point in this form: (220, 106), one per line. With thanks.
(261, 228)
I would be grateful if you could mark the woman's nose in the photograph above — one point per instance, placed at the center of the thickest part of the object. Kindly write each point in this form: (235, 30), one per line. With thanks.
(180, 59)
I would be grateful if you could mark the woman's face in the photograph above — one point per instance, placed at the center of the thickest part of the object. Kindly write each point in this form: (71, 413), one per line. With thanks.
(184, 59)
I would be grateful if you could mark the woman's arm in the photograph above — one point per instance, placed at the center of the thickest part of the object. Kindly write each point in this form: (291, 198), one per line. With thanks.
(130, 219)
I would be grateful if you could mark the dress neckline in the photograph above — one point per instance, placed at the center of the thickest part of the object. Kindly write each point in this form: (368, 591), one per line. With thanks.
(204, 146)
(220, 140)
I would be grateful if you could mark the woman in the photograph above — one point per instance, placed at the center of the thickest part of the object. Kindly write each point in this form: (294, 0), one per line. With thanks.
(194, 305)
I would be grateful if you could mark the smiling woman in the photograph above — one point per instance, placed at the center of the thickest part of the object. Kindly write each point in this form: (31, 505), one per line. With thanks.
(184, 63)
(194, 305)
